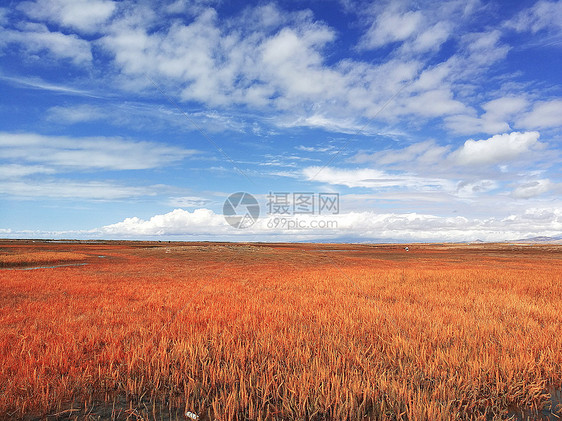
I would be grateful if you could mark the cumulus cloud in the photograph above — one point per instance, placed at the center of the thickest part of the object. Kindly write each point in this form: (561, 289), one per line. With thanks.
(88, 153)
(497, 149)
(270, 59)
(361, 225)
(220, 66)
(37, 38)
(83, 15)
(178, 221)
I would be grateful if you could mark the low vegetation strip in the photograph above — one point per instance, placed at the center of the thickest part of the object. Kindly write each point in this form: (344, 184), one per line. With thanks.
(39, 258)
(268, 332)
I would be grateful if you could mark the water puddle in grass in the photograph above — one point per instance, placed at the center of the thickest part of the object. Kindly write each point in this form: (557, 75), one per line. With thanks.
(47, 267)
(50, 266)
(551, 411)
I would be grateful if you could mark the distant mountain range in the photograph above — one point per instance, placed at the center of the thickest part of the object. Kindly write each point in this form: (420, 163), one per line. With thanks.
(540, 239)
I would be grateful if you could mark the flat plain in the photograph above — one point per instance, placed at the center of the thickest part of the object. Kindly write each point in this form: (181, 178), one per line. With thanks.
(150, 330)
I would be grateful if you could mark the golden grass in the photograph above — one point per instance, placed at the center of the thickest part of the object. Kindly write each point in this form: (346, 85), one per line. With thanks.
(39, 258)
(287, 332)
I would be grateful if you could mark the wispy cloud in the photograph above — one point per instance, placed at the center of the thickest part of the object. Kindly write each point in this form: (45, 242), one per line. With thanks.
(76, 190)
(61, 152)
(370, 178)
(543, 15)
(37, 83)
(18, 170)
(37, 38)
(544, 115)
(141, 116)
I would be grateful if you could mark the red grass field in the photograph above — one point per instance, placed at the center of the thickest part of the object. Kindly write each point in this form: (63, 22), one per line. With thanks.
(279, 331)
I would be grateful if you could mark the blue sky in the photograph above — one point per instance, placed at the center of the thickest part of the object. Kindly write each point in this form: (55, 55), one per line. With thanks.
(433, 121)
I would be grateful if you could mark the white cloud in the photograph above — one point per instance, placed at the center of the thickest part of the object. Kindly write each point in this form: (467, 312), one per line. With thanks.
(76, 114)
(36, 38)
(492, 154)
(497, 149)
(468, 124)
(360, 225)
(545, 114)
(188, 202)
(274, 60)
(181, 7)
(433, 37)
(416, 27)
(484, 48)
(467, 189)
(542, 15)
(69, 189)
(280, 65)
(219, 65)
(84, 15)
(370, 178)
(533, 188)
(434, 103)
(88, 153)
(392, 25)
(346, 125)
(178, 221)
(36, 83)
(426, 153)
(504, 107)
(498, 113)
(17, 171)
(323, 149)
(149, 117)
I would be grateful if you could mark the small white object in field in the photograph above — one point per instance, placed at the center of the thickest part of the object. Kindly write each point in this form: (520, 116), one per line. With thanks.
(406, 248)
(191, 415)
(169, 251)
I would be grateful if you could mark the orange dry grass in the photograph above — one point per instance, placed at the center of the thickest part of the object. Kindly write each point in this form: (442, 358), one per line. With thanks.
(244, 332)
(39, 258)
